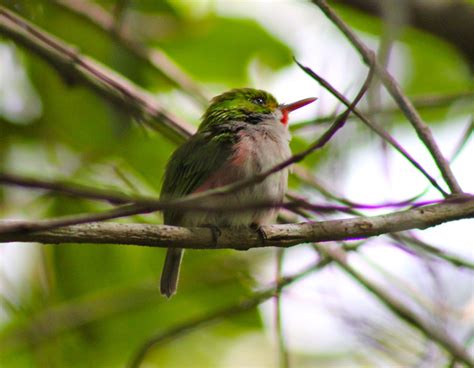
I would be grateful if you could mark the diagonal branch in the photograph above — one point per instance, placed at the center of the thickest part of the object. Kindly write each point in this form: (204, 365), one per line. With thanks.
(157, 59)
(406, 106)
(379, 130)
(422, 102)
(431, 332)
(428, 249)
(75, 67)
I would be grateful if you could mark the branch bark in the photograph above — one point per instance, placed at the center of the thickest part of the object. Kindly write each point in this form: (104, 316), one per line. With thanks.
(245, 238)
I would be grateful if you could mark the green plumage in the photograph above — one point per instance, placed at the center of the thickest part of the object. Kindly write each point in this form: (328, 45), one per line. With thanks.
(244, 104)
(205, 152)
(191, 164)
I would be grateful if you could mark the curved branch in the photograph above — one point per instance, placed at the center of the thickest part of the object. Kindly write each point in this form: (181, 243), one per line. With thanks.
(245, 238)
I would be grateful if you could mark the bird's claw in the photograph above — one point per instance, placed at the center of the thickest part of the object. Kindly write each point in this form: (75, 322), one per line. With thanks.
(215, 233)
(261, 233)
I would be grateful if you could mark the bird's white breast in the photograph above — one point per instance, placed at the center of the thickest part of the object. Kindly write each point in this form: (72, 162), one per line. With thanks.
(269, 146)
(260, 148)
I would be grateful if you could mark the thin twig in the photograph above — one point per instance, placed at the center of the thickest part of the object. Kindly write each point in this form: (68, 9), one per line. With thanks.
(423, 131)
(403, 312)
(70, 189)
(468, 133)
(374, 126)
(26, 227)
(284, 361)
(75, 67)
(155, 58)
(420, 102)
(350, 205)
(434, 251)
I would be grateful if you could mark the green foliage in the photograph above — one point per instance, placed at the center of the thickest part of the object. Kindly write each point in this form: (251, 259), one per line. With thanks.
(230, 44)
(435, 65)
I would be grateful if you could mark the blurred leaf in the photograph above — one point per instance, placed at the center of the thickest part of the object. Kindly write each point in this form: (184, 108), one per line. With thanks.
(218, 49)
(435, 66)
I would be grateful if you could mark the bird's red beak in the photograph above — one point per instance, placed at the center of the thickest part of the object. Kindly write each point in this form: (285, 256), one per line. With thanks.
(287, 108)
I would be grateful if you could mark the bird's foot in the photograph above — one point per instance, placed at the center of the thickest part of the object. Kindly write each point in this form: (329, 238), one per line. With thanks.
(260, 231)
(215, 232)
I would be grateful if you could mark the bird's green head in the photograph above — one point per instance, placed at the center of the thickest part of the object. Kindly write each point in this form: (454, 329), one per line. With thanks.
(247, 105)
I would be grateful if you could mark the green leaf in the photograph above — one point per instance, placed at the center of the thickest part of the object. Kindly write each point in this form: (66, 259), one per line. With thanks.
(218, 49)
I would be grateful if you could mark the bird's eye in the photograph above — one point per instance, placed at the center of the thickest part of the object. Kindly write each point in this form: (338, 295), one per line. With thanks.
(259, 101)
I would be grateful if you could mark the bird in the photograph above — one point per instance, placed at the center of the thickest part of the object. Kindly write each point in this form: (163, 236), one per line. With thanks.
(243, 132)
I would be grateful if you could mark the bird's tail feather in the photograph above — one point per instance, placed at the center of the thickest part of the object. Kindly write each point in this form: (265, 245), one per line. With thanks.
(170, 274)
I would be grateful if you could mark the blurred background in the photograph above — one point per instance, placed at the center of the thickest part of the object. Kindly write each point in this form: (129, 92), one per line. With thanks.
(97, 305)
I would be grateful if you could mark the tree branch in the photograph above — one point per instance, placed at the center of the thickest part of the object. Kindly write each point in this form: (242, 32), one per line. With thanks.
(403, 312)
(283, 354)
(378, 129)
(245, 238)
(155, 58)
(75, 67)
(421, 102)
(422, 130)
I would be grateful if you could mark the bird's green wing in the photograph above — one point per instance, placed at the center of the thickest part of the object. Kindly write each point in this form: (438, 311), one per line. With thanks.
(192, 164)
